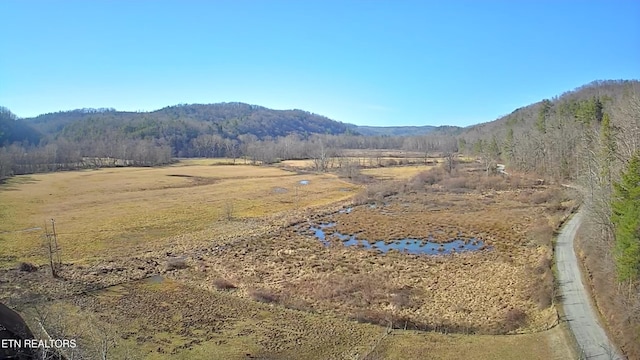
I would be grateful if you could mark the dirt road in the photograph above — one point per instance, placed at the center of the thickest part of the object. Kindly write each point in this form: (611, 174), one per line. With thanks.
(578, 309)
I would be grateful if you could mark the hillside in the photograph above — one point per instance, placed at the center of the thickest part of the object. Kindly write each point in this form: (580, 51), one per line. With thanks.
(14, 130)
(589, 137)
(548, 136)
(228, 120)
(576, 105)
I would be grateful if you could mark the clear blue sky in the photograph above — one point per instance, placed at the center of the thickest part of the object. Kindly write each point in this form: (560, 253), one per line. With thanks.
(364, 62)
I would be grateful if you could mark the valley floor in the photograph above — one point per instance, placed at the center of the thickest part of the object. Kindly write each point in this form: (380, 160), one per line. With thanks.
(202, 260)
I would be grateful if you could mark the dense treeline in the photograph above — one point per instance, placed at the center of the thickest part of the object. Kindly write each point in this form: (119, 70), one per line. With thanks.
(18, 159)
(405, 130)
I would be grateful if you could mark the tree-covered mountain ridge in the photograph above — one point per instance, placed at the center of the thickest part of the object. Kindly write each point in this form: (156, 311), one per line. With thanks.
(550, 136)
(228, 120)
(572, 105)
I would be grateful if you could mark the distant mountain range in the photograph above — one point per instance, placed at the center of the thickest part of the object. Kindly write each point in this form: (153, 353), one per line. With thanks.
(403, 130)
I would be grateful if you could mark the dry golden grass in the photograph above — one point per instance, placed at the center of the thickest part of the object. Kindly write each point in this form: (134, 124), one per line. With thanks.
(126, 212)
(303, 164)
(396, 172)
(468, 292)
(169, 320)
(157, 320)
(547, 345)
(212, 161)
(118, 210)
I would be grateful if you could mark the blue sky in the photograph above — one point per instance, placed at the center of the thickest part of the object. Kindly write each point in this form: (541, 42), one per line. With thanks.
(364, 62)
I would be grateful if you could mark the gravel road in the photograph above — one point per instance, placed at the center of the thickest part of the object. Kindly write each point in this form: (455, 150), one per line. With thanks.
(578, 309)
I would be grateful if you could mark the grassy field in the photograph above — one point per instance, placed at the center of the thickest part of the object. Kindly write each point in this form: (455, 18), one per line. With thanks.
(546, 345)
(123, 209)
(287, 296)
(159, 320)
(505, 289)
(396, 172)
(165, 319)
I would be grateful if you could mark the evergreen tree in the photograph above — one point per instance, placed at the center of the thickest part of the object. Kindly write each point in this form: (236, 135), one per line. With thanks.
(626, 219)
(493, 149)
(462, 145)
(543, 115)
(478, 147)
(590, 111)
(508, 146)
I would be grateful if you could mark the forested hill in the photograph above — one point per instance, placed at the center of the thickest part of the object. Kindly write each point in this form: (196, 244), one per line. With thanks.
(14, 130)
(578, 104)
(551, 136)
(228, 120)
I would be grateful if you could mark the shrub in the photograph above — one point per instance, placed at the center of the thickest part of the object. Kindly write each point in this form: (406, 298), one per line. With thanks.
(391, 162)
(541, 197)
(456, 183)
(401, 299)
(496, 182)
(264, 296)
(223, 284)
(541, 233)
(514, 319)
(229, 210)
(27, 267)
(542, 291)
(430, 177)
(377, 192)
(361, 198)
(516, 181)
(176, 264)
(372, 317)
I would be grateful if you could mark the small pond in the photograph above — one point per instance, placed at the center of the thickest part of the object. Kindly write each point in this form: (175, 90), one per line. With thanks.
(408, 245)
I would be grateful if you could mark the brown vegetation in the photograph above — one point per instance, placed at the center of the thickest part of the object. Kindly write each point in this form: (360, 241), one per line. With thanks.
(223, 284)
(176, 264)
(27, 267)
(620, 311)
(514, 319)
(283, 267)
(445, 293)
(263, 295)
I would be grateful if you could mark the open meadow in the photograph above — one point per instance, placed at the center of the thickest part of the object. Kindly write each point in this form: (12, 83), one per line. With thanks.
(396, 172)
(111, 212)
(207, 260)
